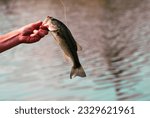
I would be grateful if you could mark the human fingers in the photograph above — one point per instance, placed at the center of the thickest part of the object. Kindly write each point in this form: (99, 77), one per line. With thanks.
(44, 27)
(34, 38)
(42, 32)
(35, 32)
(36, 25)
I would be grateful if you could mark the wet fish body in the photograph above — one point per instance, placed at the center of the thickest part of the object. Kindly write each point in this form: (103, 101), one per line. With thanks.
(64, 38)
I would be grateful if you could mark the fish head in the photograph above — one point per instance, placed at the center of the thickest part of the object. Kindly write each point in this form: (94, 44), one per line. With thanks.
(51, 23)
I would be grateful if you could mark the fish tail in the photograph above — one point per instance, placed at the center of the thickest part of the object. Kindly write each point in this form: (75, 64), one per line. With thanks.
(77, 72)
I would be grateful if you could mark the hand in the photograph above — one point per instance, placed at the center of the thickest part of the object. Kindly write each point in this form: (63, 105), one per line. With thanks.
(32, 32)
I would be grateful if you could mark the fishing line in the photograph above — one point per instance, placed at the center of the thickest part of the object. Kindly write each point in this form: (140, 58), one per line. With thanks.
(65, 10)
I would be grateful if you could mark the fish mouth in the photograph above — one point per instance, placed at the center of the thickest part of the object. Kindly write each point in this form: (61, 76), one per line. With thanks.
(49, 17)
(48, 23)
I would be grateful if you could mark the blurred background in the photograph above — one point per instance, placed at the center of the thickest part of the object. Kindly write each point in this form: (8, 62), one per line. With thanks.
(114, 34)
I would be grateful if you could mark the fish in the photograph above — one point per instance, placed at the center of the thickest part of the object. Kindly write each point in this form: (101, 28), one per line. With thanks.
(66, 41)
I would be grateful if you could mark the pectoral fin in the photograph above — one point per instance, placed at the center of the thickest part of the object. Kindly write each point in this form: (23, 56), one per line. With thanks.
(57, 41)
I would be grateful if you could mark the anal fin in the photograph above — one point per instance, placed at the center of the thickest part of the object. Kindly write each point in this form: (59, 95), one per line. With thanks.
(66, 57)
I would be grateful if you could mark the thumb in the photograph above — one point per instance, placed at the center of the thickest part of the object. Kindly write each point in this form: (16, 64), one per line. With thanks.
(36, 25)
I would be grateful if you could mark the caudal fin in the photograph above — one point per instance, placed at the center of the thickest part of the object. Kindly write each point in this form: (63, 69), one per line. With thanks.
(77, 72)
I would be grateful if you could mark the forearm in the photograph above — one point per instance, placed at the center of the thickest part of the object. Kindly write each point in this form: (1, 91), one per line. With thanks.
(27, 34)
(9, 40)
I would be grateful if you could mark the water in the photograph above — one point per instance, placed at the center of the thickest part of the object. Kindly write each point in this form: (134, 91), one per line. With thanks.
(115, 37)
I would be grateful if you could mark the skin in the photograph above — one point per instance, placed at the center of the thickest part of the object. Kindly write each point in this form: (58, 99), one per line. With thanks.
(30, 33)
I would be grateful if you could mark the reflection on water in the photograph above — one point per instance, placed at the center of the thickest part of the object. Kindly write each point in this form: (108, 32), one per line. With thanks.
(114, 35)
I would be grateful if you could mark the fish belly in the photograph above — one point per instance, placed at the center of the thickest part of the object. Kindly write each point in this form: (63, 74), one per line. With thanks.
(66, 51)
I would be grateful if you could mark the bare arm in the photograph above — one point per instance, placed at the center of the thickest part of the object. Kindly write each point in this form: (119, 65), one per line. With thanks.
(28, 34)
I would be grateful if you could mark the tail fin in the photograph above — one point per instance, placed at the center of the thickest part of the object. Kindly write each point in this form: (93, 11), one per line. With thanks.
(77, 72)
